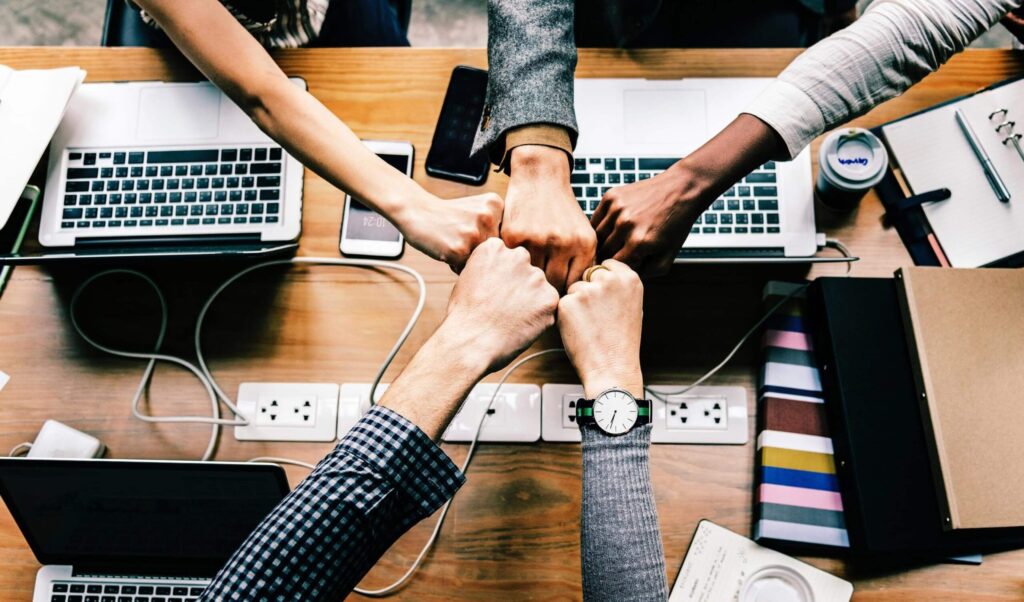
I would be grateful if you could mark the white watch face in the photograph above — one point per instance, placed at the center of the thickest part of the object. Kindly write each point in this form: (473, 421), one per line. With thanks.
(615, 412)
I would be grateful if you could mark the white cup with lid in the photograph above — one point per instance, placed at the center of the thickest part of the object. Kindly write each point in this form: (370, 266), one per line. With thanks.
(850, 162)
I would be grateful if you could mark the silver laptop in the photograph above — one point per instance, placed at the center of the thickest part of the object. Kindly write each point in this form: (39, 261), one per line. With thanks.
(134, 530)
(633, 129)
(134, 163)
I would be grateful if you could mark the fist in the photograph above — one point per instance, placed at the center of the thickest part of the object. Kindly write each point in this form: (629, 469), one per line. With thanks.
(600, 323)
(449, 230)
(500, 302)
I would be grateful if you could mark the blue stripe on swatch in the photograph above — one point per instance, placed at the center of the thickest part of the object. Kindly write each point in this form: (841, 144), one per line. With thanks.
(799, 478)
(784, 322)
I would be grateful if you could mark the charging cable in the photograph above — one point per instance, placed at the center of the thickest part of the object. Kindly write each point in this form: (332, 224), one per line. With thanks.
(202, 371)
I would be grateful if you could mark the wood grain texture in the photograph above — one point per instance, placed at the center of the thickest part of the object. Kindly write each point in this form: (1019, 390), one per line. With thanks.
(513, 531)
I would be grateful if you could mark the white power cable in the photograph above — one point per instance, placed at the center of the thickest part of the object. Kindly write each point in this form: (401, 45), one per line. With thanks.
(202, 372)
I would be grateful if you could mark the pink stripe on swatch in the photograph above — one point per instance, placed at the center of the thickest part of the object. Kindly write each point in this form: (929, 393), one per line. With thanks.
(788, 340)
(799, 496)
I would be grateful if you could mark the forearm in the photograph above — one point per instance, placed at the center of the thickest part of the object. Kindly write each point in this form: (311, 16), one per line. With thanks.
(233, 60)
(433, 386)
(893, 46)
(620, 541)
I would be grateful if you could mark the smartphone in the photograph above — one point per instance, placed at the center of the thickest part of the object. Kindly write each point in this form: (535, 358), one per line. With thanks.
(364, 232)
(457, 124)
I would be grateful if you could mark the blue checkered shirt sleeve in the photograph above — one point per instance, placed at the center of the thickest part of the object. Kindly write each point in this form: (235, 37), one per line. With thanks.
(383, 477)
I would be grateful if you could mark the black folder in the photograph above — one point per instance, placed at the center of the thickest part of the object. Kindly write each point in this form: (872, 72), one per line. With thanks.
(877, 428)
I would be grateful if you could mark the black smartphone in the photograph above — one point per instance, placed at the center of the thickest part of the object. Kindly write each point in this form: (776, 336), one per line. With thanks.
(456, 127)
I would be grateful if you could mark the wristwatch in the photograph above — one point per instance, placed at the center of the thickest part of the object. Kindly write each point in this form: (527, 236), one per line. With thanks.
(614, 412)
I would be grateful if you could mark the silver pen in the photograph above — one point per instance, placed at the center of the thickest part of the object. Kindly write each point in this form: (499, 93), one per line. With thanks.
(1002, 193)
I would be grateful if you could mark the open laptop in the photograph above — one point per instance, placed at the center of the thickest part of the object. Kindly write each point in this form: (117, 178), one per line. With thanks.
(633, 129)
(134, 529)
(166, 165)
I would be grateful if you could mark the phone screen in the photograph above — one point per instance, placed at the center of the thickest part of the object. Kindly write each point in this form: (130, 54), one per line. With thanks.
(449, 155)
(364, 223)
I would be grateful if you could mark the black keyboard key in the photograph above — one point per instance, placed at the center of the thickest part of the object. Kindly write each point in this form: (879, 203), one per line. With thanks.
(108, 172)
(83, 173)
(583, 205)
(89, 159)
(145, 198)
(757, 218)
(760, 178)
(628, 178)
(136, 211)
(87, 199)
(579, 164)
(239, 220)
(157, 184)
(211, 170)
(235, 195)
(77, 186)
(94, 589)
(173, 184)
(707, 230)
(83, 224)
(245, 154)
(614, 178)
(190, 197)
(121, 212)
(644, 176)
(769, 165)
(111, 589)
(58, 598)
(257, 207)
(203, 183)
(142, 185)
(104, 155)
(195, 170)
(151, 211)
(175, 197)
(205, 197)
(128, 589)
(272, 219)
(610, 164)
(97, 185)
(773, 218)
(229, 154)
(220, 196)
(161, 222)
(710, 218)
(165, 211)
(741, 218)
(196, 210)
(242, 209)
(188, 184)
(192, 221)
(137, 158)
(270, 194)
(725, 230)
(241, 169)
(718, 205)
(217, 183)
(576, 178)
(107, 212)
(275, 154)
(223, 220)
(591, 191)
(160, 197)
(599, 178)
(101, 199)
(265, 168)
(180, 210)
(128, 185)
(225, 170)
(261, 154)
(183, 156)
(227, 210)
(181, 170)
(209, 221)
(248, 182)
(166, 171)
(733, 205)
(273, 207)
(74, 213)
(657, 164)
(177, 222)
(627, 163)
(726, 218)
(146, 222)
(748, 205)
(211, 210)
(773, 230)
(768, 205)
(119, 158)
(60, 588)
(741, 230)
(268, 181)
(256, 220)
(69, 200)
(577, 191)
(766, 191)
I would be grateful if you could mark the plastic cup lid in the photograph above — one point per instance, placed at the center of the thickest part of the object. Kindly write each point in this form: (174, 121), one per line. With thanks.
(855, 157)
(776, 584)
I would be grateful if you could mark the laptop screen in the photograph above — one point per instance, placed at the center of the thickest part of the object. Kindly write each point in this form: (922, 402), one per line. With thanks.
(175, 517)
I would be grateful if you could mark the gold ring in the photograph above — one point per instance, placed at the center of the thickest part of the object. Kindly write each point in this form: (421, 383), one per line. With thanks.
(590, 271)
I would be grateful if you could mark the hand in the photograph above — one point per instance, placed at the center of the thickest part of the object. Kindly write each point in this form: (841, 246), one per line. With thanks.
(645, 223)
(541, 214)
(600, 323)
(500, 303)
(1014, 23)
(449, 230)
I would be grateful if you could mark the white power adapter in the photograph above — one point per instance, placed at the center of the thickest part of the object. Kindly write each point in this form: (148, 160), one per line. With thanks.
(58, 440)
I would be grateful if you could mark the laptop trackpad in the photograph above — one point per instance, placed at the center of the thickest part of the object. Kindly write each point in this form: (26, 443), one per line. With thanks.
(676, 117)
(179, 113)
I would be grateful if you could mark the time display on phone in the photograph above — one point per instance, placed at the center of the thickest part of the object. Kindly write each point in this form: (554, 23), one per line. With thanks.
(365, 223)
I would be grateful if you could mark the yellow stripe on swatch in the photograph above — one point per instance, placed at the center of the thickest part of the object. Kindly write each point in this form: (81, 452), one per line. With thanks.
(797, 460)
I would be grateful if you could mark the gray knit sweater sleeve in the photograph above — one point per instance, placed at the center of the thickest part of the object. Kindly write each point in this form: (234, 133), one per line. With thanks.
(620, 542)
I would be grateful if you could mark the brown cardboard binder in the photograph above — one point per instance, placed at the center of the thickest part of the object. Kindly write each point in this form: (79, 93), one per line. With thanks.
(965, 329)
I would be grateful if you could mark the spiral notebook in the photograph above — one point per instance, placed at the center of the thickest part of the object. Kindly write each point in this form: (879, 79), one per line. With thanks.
(973, 227)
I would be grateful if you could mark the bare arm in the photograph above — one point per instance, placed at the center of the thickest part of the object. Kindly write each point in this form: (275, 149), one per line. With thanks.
(233, 60)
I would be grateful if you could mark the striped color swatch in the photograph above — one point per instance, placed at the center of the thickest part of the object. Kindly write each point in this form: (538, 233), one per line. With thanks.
(797, 497)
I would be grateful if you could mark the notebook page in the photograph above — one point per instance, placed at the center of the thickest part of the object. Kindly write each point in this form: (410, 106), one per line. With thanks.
(972, 226)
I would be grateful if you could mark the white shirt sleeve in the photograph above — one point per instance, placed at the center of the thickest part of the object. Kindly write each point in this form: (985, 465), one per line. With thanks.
(893, 46)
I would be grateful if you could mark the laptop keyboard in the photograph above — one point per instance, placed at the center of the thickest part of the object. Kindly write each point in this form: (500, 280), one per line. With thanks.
(119, 592)
(139, 190)
(749, 207)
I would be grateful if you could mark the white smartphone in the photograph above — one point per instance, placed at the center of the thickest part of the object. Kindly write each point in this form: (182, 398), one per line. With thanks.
(364, 232)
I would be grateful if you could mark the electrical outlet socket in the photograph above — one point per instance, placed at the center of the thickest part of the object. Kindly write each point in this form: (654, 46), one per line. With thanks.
(689, 418)
(288, 411)
(515, 417)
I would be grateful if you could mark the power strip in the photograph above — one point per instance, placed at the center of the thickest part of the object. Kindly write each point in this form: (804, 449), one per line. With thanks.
(515, 416)
(705, 415)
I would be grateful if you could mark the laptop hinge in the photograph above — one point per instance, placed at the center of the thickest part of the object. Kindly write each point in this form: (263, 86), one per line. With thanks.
(158, 241)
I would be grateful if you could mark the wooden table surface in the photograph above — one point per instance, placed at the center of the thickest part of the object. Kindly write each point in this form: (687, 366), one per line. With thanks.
(513, 530)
